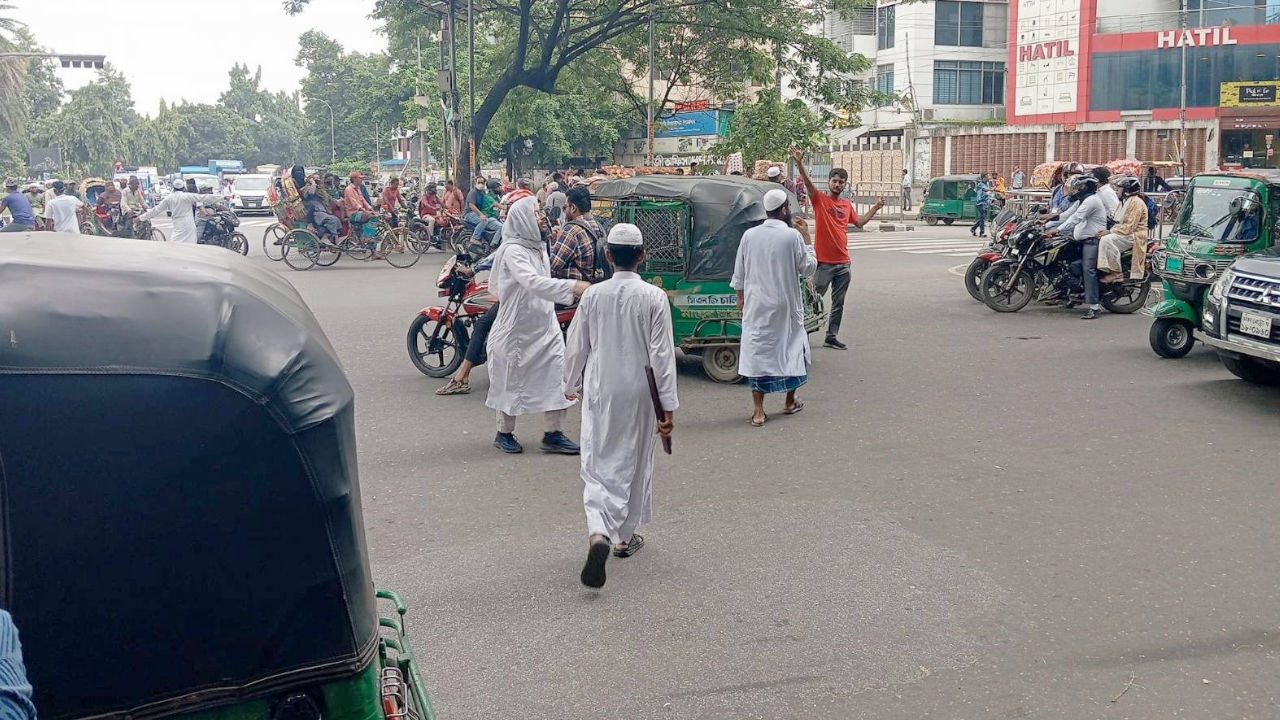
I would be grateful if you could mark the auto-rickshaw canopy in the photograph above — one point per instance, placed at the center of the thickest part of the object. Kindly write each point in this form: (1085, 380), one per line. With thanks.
(178, 475)
(722, 207)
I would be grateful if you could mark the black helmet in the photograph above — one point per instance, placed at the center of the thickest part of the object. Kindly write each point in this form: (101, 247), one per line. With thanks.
(1084, 183)
(494, 185)
(1128, 184)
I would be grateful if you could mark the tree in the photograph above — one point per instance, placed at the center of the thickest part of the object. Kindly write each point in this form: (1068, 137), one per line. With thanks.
(91, 127)
(12, 72)
(765, 129)
(541, 39)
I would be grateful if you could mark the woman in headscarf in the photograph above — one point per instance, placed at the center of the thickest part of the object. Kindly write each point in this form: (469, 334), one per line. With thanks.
(293, 192)
(526, 348)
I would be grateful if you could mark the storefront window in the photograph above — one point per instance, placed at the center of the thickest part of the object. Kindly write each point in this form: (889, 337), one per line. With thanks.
(1145, 79)
(1213, 13)
(1248, 148)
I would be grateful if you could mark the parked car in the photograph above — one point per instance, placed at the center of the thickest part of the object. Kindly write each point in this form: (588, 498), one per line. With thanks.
(1242, 317)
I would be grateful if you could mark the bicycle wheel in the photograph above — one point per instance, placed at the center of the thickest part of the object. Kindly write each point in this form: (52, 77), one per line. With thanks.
(357, 247)
(273, 241)
(395, 248)
(327, 253)
(300, 249)
(238, 243)
(157, 235)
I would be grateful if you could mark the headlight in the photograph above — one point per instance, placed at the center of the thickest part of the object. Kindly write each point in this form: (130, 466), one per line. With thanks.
(1219, 286)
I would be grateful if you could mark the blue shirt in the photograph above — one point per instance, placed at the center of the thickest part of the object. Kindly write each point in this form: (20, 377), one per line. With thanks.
(984, 193)
(15, 691)
(19, 207)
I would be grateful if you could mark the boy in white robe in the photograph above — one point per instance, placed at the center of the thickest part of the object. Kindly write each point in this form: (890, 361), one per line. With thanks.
(622, 325)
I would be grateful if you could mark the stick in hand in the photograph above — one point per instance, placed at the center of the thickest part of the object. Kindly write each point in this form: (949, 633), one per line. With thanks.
(657, 406)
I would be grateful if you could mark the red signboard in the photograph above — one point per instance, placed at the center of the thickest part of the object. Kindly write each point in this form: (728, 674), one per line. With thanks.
(693, 105)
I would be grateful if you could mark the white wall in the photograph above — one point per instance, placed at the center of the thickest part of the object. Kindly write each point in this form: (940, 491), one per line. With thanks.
(1116, 16)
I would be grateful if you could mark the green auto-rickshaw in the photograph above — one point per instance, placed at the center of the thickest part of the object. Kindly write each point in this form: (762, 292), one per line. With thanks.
(1224, 215)
(953, 197)
(692, 226)
(181, 510)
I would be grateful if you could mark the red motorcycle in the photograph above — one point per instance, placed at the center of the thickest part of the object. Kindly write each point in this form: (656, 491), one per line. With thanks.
(438, 336)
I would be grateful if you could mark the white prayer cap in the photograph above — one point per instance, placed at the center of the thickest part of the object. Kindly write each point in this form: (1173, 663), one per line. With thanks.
(625, 234)
(774, 199)
(773, 171)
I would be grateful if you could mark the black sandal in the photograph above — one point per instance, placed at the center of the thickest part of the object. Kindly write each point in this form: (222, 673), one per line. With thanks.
(631, 548)
(593, 570)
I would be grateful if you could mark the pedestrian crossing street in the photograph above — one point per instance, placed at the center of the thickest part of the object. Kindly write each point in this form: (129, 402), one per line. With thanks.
(945, 247)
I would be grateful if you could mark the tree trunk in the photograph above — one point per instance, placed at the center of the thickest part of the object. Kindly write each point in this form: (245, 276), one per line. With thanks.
(463, 171)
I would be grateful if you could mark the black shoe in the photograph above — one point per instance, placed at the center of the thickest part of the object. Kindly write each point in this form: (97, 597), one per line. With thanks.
(558, 442)
(593, 575)
(835, 344)
(507, 443)
(1090, 313)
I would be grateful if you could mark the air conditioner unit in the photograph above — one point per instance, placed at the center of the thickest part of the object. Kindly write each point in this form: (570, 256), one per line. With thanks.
(926, 114)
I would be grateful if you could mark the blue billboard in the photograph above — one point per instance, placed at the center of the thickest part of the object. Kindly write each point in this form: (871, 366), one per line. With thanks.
(684, 124)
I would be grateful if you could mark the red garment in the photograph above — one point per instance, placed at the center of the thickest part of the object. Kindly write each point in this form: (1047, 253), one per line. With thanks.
(517, 194)
(833, 217)
(353, 201)
(429, 205)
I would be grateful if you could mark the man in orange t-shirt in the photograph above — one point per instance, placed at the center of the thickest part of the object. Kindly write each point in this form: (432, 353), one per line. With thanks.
(833, 215)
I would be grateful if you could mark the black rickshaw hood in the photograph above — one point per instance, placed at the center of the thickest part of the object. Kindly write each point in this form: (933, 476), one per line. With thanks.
(181, 512)
(723, 207)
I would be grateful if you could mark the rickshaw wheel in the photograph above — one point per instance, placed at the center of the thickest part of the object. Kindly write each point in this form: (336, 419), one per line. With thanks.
(930, 220)
(948, 221)
(721, 363)
(274, 234)
(300, 249)
(1171, 337)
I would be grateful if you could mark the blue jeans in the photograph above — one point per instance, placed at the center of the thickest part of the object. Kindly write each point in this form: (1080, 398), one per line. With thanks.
(487, 225)
(981, 223)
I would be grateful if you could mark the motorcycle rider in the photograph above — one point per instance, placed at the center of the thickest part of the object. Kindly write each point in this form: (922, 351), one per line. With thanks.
(1087, 224)
(1130, 231)
(1110, 200)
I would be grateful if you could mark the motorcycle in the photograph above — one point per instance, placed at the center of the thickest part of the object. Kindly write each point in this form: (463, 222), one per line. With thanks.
(220, 230)
(438, 336)
(994, 252)
(1049, 269)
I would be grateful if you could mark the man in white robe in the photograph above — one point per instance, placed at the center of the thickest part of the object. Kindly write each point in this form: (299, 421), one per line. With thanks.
(772, 257)
(181, 206)
(622, 326)
(526, 348)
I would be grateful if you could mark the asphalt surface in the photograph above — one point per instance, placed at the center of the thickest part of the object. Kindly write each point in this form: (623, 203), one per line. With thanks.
(976, 516)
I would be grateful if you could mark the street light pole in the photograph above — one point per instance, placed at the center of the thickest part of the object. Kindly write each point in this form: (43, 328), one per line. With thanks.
(471, 88)
(333, 148)
(1182, 91)
(649, 123)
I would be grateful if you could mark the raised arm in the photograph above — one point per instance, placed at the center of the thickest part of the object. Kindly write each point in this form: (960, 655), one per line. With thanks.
(519, 266)
(798, 156)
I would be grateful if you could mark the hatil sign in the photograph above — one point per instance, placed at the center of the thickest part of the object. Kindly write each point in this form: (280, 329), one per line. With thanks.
(1045, 50)
(1197, 37)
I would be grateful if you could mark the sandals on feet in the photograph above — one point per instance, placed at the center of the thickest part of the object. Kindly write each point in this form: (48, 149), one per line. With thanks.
(753, 422)
(794, 408)
(453, 387)
(630, 548)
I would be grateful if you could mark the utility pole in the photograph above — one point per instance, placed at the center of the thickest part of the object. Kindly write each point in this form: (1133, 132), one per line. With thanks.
(1182, 91)
(333, 148)
(454, 117)
(444, 110)
(649, 124)
(471, 88)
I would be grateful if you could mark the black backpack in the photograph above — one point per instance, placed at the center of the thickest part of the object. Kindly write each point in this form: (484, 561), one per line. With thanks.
(603, 270)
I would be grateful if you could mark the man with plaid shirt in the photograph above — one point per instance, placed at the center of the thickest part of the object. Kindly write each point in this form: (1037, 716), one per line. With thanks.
(573, 250)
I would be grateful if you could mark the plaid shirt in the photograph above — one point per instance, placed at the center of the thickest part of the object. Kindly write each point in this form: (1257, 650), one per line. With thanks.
(573, 253)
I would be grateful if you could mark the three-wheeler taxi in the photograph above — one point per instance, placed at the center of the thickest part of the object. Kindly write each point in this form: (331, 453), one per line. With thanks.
(1224, 215)
(181, 511)
(692, 226)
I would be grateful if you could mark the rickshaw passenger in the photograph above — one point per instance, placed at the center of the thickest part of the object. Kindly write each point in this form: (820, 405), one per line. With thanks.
(318, 211)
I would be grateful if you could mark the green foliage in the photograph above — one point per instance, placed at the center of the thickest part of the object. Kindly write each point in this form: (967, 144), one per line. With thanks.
(765, 129)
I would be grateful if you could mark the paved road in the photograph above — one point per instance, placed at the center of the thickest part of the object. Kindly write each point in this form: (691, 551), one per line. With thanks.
(976, 516)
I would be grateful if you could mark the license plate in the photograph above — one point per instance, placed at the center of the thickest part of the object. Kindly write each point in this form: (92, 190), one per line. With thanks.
(1173, 264)
(1255, 325)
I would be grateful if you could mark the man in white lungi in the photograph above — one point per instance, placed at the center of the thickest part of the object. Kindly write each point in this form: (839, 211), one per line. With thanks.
(526, 348)
(772, 257)
(623, 325)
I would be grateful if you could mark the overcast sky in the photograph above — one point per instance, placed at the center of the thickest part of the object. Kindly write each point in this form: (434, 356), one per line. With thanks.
(177, 50)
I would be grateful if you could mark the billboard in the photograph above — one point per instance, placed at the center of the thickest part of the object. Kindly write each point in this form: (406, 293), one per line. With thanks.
(1046, 57)
(44, 160)
(684, 124)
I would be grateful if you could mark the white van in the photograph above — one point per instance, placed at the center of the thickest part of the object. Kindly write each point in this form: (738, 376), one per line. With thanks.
(250, 194)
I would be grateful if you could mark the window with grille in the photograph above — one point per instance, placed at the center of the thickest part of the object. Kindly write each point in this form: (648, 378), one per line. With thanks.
(957, 23)
(884, 80)
(665, 228)
(885, 25)
(963, 82)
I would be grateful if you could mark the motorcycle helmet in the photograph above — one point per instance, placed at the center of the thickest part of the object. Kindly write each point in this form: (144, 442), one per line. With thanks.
(495, 186)
(1073, 168)
(1128, 185)
(1084, 184)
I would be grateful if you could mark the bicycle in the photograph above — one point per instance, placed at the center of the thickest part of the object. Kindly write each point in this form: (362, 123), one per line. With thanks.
(303, 249)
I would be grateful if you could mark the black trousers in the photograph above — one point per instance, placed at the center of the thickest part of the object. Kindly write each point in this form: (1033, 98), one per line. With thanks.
(480, 335)
(837, 277)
